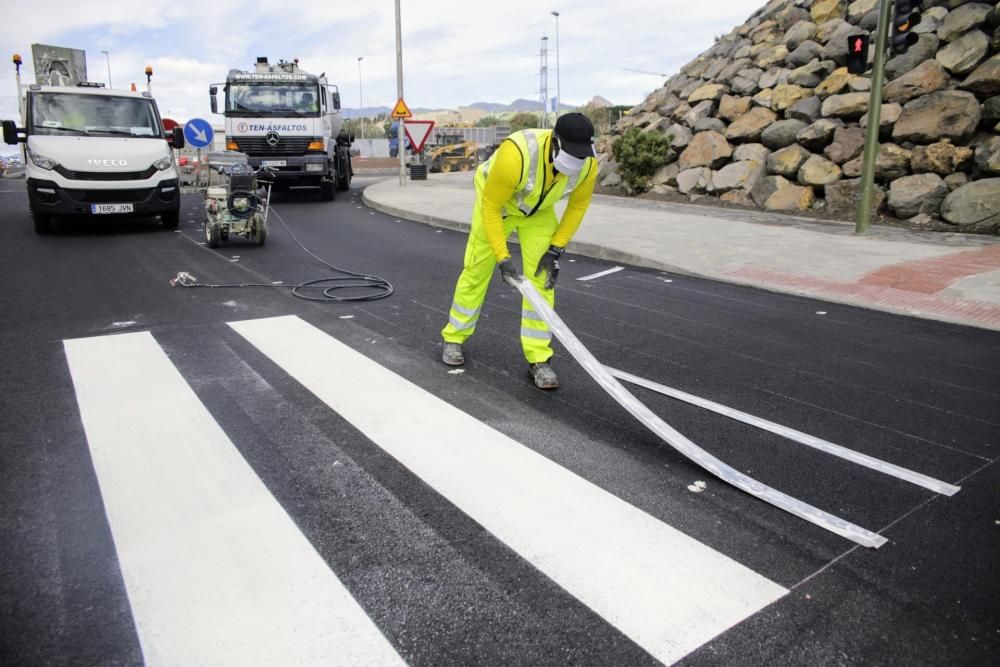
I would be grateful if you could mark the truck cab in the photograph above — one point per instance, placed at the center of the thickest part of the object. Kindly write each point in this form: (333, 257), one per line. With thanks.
(285, 118)
(96, 152)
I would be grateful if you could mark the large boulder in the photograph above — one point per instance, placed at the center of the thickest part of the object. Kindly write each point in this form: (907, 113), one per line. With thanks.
(836, 46)
(928, 77)
(786, 162)
(924, 49)
(940, 158)
(848, 105)
(781, 133)
(987, 158)
(809, 75)
(791, 198)
(772, 56)
(710, 91)
(709, 123)
(891, 162)
(859, 8)
(799, 33)
(985, 79)
(808, 110)
(666, 175)
(787, 94)
(888, 116)
(963, 19)
(679, 135)
(991, 111)
(972, 202)
(848, 142)
(819, 134)
(949, 113)
(749, 126)
(842, 198)
(773, 77)
(834, 83)
(818, 171)
(804, 53)
(767, 186)
(930, 20)
(731, 108)
(962, 55)
(707, 149)
(695, 180)
(737, 176)
(757, 152)
(702, 109)
(826, 10)
(920, 193)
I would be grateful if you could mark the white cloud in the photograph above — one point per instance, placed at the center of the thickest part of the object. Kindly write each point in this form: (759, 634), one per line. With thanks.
(455, 52)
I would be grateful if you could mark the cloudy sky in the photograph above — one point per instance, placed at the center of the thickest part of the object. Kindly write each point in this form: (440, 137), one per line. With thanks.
(454, 52)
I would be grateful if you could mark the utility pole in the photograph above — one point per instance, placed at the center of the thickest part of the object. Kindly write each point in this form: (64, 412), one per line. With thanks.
(400, 127)
(558, 81)
(543, 80)
(874, 119)
(361, 102)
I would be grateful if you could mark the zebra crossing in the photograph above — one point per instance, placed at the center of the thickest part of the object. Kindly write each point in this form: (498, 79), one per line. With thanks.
(217, 572)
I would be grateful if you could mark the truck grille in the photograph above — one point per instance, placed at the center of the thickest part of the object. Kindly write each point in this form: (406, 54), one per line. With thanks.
(109, 196)
(106, 175)
(287, 146)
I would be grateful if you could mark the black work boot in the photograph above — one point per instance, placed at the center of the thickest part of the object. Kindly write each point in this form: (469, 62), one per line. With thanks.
(452, 354)
(544, 376)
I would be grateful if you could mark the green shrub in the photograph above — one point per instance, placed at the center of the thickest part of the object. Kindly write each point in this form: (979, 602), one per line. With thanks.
(639, 155)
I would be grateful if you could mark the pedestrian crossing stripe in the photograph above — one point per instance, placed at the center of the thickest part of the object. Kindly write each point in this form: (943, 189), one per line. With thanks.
(666, 591)
(215, 570)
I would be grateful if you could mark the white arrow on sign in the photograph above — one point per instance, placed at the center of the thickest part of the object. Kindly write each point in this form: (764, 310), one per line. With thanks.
(200, 134)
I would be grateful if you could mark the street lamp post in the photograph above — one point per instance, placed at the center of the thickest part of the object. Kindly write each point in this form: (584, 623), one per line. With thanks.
(401, 127)
(107, 57)
(361, 102)
(558, 86)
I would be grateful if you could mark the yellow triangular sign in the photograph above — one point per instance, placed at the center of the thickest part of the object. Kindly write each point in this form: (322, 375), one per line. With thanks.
(401, 110)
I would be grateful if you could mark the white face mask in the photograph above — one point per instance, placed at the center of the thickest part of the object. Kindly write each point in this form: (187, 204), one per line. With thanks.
(568, 164)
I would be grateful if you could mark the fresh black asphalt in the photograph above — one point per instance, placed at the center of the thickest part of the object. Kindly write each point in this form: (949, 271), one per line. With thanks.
(918, 393)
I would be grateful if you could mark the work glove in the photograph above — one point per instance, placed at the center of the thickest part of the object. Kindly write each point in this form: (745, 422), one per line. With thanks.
(508, 273)
(550, 264)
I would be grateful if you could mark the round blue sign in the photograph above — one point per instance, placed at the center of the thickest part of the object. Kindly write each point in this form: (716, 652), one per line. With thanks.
(198, 133)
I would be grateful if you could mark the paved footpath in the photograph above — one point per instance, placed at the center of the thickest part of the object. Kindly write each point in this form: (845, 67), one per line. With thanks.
(941, 276)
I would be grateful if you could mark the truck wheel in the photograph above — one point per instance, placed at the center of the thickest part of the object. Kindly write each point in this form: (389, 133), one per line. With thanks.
(212, 234)
(344, 175)
(171, 219)
(43, 222)
(326, 191)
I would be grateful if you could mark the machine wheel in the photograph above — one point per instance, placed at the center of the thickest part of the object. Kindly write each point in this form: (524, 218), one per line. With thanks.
(171, 219)
(213, 234)
(327, 192)
(43, 222)
(445, 167)
(465, 165)
(344, 173)
(259, 230)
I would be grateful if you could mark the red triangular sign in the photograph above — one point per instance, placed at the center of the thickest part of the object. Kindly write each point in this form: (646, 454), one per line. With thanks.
(418, 131)
(401, 110)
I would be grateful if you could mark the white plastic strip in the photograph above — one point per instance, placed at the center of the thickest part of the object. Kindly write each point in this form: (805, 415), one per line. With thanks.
(601, 274)
(673, 438)
(216, 571)
(792, 434)
(663, 589)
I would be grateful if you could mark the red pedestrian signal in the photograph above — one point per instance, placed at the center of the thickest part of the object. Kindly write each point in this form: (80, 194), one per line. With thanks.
(857, 54)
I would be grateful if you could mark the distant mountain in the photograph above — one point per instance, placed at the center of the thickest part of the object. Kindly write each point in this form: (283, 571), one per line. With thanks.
(372, 112)
(599, 102)
(520, 104)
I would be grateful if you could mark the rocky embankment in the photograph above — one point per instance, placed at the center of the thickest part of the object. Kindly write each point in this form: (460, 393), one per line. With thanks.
(769, 117)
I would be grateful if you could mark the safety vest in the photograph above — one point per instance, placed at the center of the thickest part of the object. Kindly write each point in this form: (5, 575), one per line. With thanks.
(535, 189)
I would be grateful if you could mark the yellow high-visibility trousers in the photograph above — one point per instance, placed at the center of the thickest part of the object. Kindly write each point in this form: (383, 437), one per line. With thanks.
(535, 235)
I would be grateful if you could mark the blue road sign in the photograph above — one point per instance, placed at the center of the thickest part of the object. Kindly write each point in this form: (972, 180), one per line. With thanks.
(198, 133)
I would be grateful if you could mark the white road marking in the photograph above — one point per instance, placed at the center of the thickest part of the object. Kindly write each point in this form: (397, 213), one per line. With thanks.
(666, 591)
(600, 274)
(216, 571)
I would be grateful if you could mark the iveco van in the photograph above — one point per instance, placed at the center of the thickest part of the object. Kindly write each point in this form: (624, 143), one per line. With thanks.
(95, 152)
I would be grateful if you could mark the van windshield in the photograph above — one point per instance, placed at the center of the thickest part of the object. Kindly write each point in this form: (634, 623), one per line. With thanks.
(98, 115)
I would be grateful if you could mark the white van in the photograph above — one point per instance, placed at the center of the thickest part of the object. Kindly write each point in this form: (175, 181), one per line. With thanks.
(96, 152)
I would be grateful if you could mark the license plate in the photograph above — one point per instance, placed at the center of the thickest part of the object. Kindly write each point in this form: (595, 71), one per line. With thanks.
(272, 163)
(111, 208)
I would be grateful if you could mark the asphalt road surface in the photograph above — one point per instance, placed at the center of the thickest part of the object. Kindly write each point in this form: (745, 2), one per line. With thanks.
(238, 476)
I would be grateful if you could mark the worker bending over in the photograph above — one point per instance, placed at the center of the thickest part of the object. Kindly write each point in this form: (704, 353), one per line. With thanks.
(517, 188)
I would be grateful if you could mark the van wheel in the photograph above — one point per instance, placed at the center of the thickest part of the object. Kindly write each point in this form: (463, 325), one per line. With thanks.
(212, 234)
(171, 219)
(327, 191)
(43, 222)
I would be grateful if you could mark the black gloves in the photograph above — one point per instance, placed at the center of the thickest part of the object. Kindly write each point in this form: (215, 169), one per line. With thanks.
(508, 273)
(550, 263)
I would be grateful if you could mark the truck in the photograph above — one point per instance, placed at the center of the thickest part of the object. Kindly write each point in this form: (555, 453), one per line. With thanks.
(95, 152)
(282, 117)
(394, 140)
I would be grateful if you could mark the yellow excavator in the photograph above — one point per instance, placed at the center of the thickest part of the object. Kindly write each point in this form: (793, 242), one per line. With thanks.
(452, 153)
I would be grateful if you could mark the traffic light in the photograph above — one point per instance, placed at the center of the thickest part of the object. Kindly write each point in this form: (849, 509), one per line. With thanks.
(905, 17)
(857, 54)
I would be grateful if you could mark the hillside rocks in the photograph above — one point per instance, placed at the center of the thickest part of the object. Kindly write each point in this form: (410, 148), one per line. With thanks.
(770, 117)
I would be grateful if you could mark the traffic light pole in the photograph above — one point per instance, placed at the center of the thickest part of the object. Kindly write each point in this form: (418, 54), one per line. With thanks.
(874, 119)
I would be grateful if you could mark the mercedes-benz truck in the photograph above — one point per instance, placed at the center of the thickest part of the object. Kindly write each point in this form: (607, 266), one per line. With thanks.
(285, 118)
(94, 152)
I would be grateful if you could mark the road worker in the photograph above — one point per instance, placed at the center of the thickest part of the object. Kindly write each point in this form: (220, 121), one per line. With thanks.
(517, 189)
